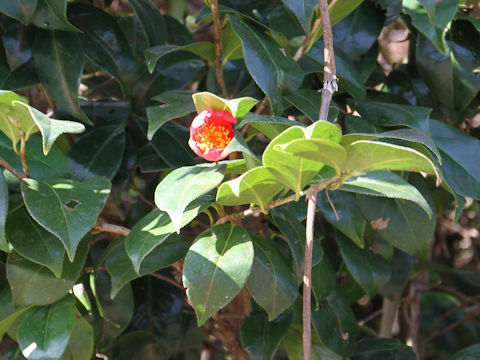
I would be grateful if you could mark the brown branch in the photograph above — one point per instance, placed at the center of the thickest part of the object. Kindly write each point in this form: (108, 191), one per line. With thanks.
(111, 228)
(11, 169)
(218, 48)
(23, 159)
(166, 279)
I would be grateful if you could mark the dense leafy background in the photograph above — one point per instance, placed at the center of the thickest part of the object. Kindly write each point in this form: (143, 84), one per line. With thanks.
(170, 284)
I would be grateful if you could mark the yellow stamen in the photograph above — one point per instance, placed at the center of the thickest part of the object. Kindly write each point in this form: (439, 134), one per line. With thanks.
(210, 136)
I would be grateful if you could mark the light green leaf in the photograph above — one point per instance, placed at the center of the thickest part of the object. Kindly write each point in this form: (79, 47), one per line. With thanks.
(204, 49)
(66, 208)
(216, 268)
(238, 107)
(183, 185)
(44, 331)
(257, 186)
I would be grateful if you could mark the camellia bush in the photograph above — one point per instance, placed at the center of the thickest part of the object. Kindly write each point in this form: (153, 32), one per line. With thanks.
(177, 181)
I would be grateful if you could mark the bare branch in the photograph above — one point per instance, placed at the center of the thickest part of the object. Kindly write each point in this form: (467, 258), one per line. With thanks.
(111, 228)
(11, 169)
(218, 48)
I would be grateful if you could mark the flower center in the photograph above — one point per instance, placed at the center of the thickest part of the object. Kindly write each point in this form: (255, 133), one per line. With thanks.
(213, 136)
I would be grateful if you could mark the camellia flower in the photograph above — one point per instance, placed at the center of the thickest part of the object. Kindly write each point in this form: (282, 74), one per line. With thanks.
(210, 133)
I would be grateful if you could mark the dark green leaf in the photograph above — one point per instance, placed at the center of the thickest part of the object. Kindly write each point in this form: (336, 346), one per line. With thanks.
(303, 10)
(98, 153)
(231, 44)
(23, 77)
(52, 15)
(155, 228)
(66, 208)
(260, 337)
(176, 104)
(350, 220)
(152, 22)
(120, 267)
(183, 185)
(401, 269)
(17, 40)
(469, 353)
(269, 125)
(33, 242)
(81, 343)
(216, 268)
(307, 101)
(34, 284)
(8, 312)
(58, 57)
(370, 270)
(44, 331)
(3, 212)
(22, 10)
(271, 70)
(382, 349)
(203, 49)
(324, 279)
(271, 283)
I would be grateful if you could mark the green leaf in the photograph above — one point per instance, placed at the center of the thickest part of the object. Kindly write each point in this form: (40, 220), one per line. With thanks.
(17, 41)
(34, 284)
(238, 107)
(33, 242)
(386, 184)
(44, 331)
(204, 49)
(176, 103)
(402, 223)
(216, 268)
(429, 5)
(183, 185)
(401, 269)
(269, 125)
(350, 220)
(384, 349)
(239, 144)
(153, 229)
(8, 312)
(370, 270)
(58, 57)
(98, 153)
(260, 337)
(366, 155)
(52, 15)
(54, 165)
(3, 212)
(120, 267)
(324, 279)
(231, 44)
(468, 353)
(271, 283)
(307, 101)
(271, 70)
(433, 30)
(50, 129)
(22, 10)
(66, 208)
(303, 10)
(81, 343)
(152, 22)
(257, 186)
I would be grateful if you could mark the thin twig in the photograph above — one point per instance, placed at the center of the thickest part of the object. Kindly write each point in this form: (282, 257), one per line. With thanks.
(23, 159)
(301, 49)
(170, 281)
(11, 169)
(218, 48)
(111, 228)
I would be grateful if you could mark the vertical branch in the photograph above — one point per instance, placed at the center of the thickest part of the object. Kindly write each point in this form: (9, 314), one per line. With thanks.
(329, 87)
(218, 48)
(389, 309)
(23, 159)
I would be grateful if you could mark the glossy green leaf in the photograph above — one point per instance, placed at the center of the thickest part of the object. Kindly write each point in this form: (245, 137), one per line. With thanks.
(66, 208)
(350, 220)
(402, 223)
(81, 343)
(52, 15)
(153, 229)
(23, 77)
(308, 102)
(34, 284)
(175, 104)
(260, 337)
(370, 270)
(54, 165)
(17, 41)
(120, 267)
(468, 353)
(444, 12)
(238, 107)
(231, 44)
(386, 184)
(238, 144)
(204, 49)
(44, 331)
(269, 125)
(401, 269)
(271, 70)
(257, 186)
(385, 349)
(324, 279)
(3, 212)
(171, 144)
(366, 155)
(103, 41)
(98, 153)
(152, 22)
(216, 268)
(303, 10)
(8, 312)
(271, 283)
(33, 242)
(429, 5)
(183, 185)
(58, 57)
(22, 10)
